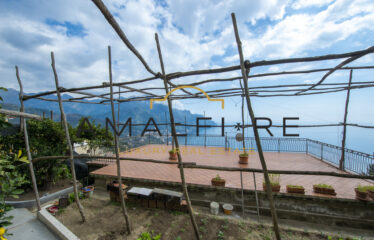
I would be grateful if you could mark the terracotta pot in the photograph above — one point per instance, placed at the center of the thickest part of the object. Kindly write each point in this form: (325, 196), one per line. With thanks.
(295, 190)
(371, 194)
(243, 160)
(361, 195)
(220, 182)
(173, 156)
(275, 188)
(322, 190)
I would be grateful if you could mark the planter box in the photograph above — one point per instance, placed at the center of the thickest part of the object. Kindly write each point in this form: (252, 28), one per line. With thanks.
(275, 188)
(295, 190)
(371, 194)
(243, 160)
(364, 196)
(218, 182)
(173, 156)
(322, 190)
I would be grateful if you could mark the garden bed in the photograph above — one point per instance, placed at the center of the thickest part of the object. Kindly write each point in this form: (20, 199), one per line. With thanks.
(105, 221)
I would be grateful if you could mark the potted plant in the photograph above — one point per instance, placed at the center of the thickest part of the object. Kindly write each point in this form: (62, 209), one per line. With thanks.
(243, 158)
(173, 154)
(218, 181)
(295, 189)
(274, 182)
(324, 189)
(362, 192)
(88, 191)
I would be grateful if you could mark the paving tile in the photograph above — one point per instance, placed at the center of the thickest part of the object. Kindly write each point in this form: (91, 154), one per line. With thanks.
(217, 156)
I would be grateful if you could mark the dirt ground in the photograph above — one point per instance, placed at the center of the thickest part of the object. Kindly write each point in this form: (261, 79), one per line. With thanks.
(106, 222)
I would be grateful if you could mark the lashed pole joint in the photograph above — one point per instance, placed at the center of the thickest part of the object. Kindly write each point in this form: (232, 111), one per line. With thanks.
(255, 131)
(120, 190)
(26, 136)
(174, 133)
(65, 124)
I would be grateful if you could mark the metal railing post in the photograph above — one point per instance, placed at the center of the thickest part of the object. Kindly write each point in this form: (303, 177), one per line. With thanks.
(321, 151)
(307, 146)
(278, 144)
(226, 142)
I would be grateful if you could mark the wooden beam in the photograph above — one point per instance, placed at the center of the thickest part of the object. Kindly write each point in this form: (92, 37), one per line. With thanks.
(67, 135)
(118, 162)
(342, 159)
(174, 133)
(255, 131)
(27, 144)
(112, 21)
(20, 114)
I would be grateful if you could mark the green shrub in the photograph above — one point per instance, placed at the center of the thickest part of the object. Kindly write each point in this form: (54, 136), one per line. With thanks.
(365, 188)
(295, 186)
(321, 185)
(274, 179)
(149, 236)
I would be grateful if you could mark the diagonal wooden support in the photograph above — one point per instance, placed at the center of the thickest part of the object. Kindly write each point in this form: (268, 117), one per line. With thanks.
(118, 162)
(26, 136)
(174, 133)
(255, 131)
(65, 124)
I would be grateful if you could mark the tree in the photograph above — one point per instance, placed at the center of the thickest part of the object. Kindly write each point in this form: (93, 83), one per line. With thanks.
(11, 182)
(95, 135)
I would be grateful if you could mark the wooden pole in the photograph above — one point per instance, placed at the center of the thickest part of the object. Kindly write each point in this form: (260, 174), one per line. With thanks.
(123, 204)
(20, 114)
(255, 131)
(241, 186)
(71, 156)
(174, 133)
(257, 203)
(26, 136)
(342, 159)
(112, 21)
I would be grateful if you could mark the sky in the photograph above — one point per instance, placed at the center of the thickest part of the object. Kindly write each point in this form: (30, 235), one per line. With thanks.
(194, 34)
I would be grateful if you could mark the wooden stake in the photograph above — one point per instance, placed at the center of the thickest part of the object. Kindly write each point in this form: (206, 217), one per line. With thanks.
(109, 17)
(119, 178)
(257, 137)
(174, 133)
(26, 136)
(342, 159)
(71, 156)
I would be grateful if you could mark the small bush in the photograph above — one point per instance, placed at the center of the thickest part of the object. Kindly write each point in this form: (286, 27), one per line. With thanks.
(365, 188)
(321, 185)
(295, 186)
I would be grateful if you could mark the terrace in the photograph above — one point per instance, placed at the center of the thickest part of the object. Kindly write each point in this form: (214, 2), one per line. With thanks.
(292, 154)
(299, 161)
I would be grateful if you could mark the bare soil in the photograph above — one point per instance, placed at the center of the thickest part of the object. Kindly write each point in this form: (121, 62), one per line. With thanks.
(106, 222)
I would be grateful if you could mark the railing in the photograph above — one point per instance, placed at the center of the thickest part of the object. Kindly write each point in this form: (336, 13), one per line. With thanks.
(355, 161)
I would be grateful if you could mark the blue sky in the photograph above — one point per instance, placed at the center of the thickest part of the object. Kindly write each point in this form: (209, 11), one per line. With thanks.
(194, 34)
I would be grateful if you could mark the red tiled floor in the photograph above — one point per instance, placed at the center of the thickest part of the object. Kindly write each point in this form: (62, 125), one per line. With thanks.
(216, 156)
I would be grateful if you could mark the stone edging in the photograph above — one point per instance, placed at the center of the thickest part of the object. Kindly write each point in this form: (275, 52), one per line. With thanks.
(43, 199)
(55, 225)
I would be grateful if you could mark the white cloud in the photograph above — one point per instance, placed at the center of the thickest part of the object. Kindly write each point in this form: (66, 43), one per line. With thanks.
(307, 3)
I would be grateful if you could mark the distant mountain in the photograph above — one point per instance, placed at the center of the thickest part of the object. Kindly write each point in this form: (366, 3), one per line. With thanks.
(139, 112)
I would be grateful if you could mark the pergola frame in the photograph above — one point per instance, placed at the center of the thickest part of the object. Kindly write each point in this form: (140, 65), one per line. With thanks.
(147, 93)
